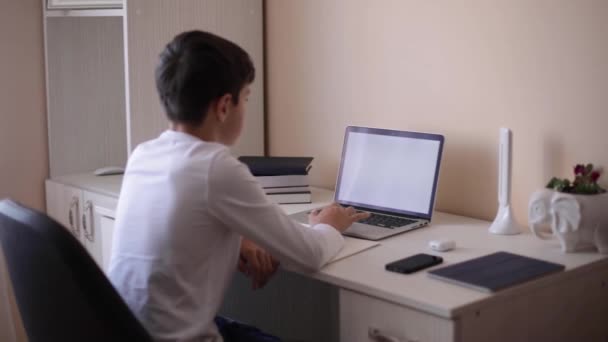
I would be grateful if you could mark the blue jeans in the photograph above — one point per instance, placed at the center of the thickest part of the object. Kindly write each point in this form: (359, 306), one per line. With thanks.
(233, 331)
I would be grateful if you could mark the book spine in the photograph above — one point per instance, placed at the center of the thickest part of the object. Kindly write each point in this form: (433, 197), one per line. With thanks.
(277, 172)
(291, 198)
(287, 189)
(283, 181)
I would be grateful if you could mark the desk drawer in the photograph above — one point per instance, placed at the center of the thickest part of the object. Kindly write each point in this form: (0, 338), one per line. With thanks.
(573, 307)
(360, 314)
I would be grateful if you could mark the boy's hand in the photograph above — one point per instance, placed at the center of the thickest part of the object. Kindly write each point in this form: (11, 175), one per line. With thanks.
(256, 263)
(336, 216)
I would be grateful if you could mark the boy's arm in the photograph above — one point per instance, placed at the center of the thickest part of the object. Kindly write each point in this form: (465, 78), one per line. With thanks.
(237, 200)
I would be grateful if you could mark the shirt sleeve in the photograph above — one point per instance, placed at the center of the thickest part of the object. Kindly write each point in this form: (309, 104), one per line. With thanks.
(238, 201)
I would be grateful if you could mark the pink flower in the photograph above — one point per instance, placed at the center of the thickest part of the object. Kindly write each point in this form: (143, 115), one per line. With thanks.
(579, 169)
(595, 176)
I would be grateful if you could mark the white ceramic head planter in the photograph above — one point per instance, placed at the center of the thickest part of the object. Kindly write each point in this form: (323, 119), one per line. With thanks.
(579, 221)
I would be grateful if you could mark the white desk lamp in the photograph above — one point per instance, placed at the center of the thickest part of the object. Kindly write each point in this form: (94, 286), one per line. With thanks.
(504, 223)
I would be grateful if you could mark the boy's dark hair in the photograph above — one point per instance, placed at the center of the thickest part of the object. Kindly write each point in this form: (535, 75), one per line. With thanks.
(196, 68)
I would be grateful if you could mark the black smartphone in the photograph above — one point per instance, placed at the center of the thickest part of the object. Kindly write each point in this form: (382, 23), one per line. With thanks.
(414, 263)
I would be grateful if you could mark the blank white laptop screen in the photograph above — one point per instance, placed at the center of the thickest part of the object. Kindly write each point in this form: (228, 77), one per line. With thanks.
(389, 171)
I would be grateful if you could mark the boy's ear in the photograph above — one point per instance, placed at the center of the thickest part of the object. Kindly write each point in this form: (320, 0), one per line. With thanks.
(223, 107)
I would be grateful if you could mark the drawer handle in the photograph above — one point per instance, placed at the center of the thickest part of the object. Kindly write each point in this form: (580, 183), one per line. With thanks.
(376, 335)
(73, 217)
(89, 230)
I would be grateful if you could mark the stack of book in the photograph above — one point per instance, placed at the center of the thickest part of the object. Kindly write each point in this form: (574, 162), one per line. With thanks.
(284, 179)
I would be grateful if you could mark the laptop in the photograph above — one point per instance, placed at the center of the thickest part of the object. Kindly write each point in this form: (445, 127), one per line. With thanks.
(390, 174)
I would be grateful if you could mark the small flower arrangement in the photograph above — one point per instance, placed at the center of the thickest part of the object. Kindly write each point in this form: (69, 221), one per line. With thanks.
(585, 181)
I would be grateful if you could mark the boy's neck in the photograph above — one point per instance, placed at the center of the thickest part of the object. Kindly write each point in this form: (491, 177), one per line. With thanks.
(203, 132)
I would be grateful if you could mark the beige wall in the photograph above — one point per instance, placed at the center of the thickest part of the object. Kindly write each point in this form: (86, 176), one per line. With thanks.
(460, 68)
(23, 137)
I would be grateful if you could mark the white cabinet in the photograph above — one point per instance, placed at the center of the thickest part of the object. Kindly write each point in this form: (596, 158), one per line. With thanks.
(98, 226)
(105, 222)
(92, 124)
(364, 318)
(63, 203)
(86, 118)
(82, 4)
(88, 215)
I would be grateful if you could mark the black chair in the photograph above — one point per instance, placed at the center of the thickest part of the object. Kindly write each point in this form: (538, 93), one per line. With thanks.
(60, 291)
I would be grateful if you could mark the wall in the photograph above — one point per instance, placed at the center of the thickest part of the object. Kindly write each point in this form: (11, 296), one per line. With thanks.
(23, 136)
(460, 68)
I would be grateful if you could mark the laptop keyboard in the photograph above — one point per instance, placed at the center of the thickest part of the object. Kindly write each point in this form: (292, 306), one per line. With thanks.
(385, 221)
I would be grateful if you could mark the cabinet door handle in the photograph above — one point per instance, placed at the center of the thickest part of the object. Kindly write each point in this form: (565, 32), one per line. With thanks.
(377, 335)
(72, 216)
(89, 231)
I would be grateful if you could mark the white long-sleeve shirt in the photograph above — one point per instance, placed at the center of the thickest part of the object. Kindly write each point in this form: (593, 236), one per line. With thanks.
(183, 206)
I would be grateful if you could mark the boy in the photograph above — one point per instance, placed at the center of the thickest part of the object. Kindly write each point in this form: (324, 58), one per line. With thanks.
(185, 201)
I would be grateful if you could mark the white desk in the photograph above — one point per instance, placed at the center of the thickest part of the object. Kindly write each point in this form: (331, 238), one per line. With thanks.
(568, 306)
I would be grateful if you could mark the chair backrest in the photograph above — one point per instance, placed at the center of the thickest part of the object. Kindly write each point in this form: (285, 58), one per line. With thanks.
(60, 291)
